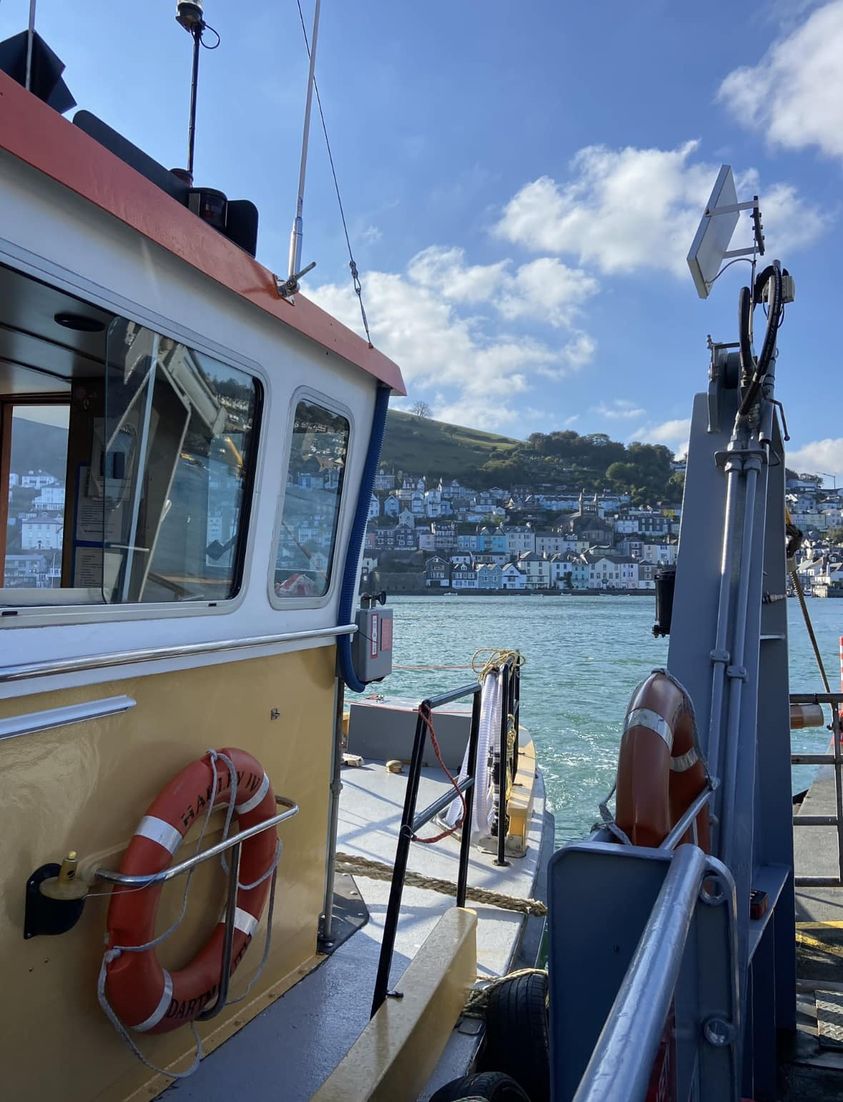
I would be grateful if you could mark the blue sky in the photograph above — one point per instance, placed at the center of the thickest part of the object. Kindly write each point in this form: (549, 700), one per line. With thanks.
(522, 183)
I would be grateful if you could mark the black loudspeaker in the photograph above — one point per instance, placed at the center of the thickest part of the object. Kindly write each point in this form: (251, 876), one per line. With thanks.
(47, 67)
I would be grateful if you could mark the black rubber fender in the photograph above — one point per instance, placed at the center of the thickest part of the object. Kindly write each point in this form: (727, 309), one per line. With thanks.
(487, 1086)
(517, 1038)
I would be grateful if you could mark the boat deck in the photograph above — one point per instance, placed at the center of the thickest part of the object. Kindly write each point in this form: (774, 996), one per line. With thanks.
(301, 1038)
(815, 1070)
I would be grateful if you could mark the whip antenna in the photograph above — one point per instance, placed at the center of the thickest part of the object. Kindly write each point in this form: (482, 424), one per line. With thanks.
(30, 36)
(189, 15)
(291, 286)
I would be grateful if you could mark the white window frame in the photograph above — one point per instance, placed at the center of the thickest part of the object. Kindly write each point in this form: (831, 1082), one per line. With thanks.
(20, 616)
(337, 563)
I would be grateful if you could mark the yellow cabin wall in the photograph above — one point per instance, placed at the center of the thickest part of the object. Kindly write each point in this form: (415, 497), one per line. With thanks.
(85, 787)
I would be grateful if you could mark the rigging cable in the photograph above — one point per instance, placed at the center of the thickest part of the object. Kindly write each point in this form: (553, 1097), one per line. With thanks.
(352, 264)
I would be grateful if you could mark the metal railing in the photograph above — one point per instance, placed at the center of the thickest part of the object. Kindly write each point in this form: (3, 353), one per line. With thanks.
(508, 754)
(675, 1017)
(233, 843)
(411, 821)
(834, 759)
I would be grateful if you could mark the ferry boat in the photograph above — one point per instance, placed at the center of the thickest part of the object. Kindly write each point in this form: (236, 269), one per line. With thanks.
(178, 681)
(177, 634)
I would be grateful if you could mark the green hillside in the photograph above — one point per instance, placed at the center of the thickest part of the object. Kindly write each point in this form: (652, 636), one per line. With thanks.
(435, 449)
(416, 445)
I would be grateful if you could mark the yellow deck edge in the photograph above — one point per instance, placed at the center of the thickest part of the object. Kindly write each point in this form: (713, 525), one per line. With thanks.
(397, 1052)
(519, 806)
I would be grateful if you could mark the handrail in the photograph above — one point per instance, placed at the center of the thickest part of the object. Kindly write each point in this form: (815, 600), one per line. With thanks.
(54, 667)
(621, 1064)
(411, 821)
(145, 879)
(233, 843)
(835, 760)
(671, 840)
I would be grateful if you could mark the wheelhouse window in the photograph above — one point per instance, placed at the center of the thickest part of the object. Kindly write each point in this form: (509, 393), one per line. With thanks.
(308, 529)
(126, 458)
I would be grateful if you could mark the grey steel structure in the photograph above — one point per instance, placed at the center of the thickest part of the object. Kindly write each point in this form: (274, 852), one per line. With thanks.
(643, 949)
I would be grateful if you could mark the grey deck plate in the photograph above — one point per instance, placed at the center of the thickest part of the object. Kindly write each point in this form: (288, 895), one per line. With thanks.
(289, 1049)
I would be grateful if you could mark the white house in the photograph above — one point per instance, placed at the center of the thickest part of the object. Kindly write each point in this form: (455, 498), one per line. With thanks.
(520, 539)
(664, 554)
(42, 533)
(536, 568)
(512, 578)
(614, 572)
(37, 480)
(50, 499)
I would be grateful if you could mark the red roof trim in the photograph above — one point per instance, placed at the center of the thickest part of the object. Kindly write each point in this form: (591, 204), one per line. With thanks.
(37, 135)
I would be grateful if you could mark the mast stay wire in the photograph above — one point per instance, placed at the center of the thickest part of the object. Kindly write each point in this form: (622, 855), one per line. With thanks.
(352, 263)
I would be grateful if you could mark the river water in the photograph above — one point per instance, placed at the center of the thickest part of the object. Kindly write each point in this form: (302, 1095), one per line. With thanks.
(584, 656)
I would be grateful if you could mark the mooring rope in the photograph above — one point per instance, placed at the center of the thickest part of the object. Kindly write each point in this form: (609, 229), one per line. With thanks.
(378, 870)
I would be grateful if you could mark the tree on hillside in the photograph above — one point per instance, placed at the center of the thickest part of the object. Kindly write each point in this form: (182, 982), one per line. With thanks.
(420, 409)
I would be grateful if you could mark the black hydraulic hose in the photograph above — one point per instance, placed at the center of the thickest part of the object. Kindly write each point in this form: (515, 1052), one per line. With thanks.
(747, 304)
(745, 339)
(773, 272)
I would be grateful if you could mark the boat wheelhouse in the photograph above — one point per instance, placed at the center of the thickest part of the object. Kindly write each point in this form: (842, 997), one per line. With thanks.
(186, 459)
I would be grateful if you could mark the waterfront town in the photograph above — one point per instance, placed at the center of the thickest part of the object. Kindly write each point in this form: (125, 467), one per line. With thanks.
(444, 537)
(450, 538)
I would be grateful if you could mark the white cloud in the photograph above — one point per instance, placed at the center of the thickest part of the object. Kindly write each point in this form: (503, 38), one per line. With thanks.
(548, 290)
(477, 368)
(818, 457)
(620, 409)
(795, 93)
(789, 222)
(369, 235)
(674, 434)
(545, 289)
(444, 271)
(621, 210)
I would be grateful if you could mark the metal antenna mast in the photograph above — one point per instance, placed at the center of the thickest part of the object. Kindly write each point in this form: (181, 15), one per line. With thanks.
(189, 15)
(294, 272)
(29, 40)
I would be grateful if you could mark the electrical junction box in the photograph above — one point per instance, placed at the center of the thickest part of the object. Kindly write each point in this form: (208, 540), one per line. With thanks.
(372, 644)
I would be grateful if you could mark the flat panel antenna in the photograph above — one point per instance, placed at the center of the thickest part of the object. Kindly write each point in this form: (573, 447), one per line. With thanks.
(711, 242)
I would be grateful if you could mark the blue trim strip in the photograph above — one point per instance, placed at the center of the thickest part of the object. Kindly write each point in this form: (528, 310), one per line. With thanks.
(348, 593)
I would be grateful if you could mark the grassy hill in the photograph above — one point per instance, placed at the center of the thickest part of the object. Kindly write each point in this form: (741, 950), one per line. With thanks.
(421, 446)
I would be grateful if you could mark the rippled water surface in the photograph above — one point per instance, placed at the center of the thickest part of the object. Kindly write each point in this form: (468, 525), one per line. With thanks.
(584, 657)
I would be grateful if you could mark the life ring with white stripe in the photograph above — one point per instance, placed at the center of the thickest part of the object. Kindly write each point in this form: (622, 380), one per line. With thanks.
(143, 994)
(660, 767)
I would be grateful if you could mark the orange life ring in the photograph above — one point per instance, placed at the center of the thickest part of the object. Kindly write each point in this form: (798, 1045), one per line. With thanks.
(660, 769)
(143, 994)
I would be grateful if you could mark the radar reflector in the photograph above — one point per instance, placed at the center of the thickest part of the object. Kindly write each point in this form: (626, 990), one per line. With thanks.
(720, 217)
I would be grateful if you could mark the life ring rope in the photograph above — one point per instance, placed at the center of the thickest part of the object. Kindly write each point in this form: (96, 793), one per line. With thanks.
(169, 838)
